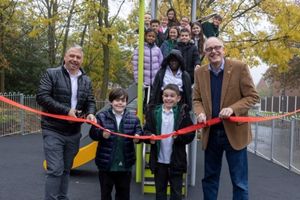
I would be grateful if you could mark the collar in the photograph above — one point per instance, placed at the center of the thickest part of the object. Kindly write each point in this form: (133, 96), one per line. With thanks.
(178, 73)
(71, 75)
(117, 113)
(221, 68)
(166, 111)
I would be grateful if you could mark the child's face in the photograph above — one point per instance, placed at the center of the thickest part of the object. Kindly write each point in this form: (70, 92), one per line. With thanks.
(147, 19)
(171, 15)
(196, 30)
(174, 64)
(173, 34)
(185, 37)
(170, 98)
(217, 21)
(184, 21)
(164, 21)
(155, 27)
(119, 105)
(150, 37)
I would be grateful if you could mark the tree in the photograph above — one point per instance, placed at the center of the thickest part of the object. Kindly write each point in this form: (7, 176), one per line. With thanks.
(7, 19)
(51, 16)
(267, 30)
(289, 78)
(101, 44)
(44, 28)
(27, 56)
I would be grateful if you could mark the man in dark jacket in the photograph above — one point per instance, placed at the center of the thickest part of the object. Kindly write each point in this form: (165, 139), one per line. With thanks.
(65, 90)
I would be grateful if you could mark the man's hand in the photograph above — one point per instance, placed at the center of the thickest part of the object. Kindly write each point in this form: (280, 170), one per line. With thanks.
(201, 118)
(72, 113)
(225, 113)
(92, 118)
(197, 67)
(106, 134)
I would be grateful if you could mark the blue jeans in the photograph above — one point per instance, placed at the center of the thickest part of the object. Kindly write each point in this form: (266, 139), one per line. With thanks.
(237, 163)
(59, 152)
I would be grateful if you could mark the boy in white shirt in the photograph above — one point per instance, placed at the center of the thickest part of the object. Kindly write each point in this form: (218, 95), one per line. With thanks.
(168, 159)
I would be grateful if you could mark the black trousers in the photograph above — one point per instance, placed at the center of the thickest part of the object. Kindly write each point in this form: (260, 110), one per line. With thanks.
(121, 181)
(162, 176)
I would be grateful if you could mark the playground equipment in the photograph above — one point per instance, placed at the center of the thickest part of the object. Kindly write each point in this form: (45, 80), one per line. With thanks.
(87, 153)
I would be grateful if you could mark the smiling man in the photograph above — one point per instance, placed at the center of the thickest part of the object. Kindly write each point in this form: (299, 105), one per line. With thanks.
(65, 90)
(224, 88)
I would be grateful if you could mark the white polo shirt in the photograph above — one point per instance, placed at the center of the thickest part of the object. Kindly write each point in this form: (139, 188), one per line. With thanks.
(167, 126)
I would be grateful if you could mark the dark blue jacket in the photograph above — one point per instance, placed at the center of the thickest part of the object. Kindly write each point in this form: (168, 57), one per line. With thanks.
(129, 125)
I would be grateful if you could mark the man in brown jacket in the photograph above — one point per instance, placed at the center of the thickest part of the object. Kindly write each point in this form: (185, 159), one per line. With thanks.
(224, 88)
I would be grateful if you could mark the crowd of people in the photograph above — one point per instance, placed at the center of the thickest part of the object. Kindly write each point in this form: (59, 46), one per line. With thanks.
(176, 89)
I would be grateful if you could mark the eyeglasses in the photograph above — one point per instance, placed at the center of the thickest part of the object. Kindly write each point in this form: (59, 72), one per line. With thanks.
(216, 48)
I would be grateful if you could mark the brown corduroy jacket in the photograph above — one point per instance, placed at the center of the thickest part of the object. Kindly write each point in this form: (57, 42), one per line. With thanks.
(238, 93)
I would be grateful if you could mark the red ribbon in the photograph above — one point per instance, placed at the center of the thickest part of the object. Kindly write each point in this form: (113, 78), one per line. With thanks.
(152, 137)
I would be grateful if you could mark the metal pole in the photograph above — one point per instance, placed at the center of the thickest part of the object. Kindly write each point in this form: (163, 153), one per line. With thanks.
(138, 165)
(193, 161)
(153, 9)
(287, 104)
(193, 11)
(292, 143)
(272, 99)
(256, 136)
(22, 115)
(272, 140)
(266, 103)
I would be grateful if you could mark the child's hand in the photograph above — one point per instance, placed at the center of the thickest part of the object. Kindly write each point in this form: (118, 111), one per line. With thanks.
(92, 118)
(106, 134)
(135, 140)
(152, 141)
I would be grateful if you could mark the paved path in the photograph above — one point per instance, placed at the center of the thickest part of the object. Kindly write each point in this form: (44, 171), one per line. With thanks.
(22, 176)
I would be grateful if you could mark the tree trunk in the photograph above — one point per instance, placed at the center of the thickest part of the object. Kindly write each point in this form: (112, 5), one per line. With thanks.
(105, 80)
(2, 72)
(52, 12)
(103, 16)
(65, 39)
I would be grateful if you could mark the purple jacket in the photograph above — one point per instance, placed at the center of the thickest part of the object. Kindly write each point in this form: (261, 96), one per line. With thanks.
(152, 61)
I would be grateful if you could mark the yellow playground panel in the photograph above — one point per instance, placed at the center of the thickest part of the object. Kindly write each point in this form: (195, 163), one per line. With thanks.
(85, 155)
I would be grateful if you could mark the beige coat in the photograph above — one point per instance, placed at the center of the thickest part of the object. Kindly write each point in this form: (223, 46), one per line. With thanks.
(238, 93)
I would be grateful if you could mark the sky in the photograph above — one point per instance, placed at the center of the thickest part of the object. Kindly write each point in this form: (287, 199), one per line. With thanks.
(125, 10)
(257, 72)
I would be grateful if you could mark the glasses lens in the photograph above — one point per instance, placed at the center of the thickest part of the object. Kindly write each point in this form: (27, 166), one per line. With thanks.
(217, 48)
(210, 49)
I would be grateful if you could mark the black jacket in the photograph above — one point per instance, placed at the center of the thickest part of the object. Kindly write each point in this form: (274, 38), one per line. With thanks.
(190, 55)
(178, 157)
(156, 92)
(129, 124)
(54, 95)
